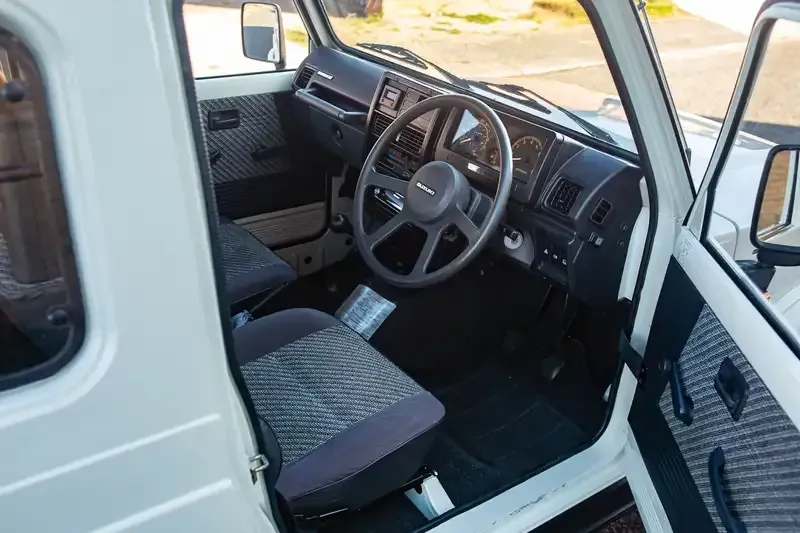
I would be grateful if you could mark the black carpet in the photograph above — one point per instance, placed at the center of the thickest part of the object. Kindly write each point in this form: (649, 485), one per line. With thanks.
(504, 421)
(499, 429)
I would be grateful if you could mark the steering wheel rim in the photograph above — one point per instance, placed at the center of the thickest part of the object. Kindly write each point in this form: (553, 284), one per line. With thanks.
(422, 208)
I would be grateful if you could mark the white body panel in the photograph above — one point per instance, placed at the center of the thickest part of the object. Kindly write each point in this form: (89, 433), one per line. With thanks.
(143, 431)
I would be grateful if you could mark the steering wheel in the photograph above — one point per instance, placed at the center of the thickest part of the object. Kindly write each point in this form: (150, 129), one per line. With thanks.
(436, 198)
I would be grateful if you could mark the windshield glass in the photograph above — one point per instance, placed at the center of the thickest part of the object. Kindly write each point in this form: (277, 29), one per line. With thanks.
(547, 47)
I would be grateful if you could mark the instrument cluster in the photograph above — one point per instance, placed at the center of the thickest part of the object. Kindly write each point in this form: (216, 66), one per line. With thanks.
(475, 139)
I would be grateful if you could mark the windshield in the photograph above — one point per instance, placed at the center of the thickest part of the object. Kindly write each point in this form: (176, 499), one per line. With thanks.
(547, 48)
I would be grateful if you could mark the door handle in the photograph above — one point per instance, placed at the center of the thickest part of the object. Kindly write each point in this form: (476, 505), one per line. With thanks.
(223, 119)
(682, 404)
(732, 388)
(716, 467)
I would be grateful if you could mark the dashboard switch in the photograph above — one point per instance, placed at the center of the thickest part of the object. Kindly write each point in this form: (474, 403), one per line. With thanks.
(596, 239)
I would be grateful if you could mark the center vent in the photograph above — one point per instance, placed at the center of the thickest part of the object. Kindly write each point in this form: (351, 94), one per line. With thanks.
(564, 195)
(409, 140)
(380, 124)
(304, 77)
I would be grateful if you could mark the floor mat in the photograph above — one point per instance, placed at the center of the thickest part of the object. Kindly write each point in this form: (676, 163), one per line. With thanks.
(499, 428)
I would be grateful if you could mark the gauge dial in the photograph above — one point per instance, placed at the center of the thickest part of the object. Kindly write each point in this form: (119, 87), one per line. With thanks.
(476, 139)
(494, 157)
(526, 152)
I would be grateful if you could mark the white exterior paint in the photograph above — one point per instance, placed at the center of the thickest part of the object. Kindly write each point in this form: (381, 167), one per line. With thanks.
(143, 430)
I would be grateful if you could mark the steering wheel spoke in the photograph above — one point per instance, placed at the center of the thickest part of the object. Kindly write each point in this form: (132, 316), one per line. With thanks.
(434, 235)
(466, 226)
(387, 230)
(375, 178)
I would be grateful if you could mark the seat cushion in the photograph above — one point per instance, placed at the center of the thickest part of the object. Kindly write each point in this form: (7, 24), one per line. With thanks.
(352, 427)
(250, 267)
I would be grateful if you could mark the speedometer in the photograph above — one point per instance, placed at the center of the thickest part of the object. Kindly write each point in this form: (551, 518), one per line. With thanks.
(474, 141)
(526, 152)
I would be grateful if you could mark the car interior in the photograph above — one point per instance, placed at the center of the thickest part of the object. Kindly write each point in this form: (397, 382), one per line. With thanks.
(424, 287)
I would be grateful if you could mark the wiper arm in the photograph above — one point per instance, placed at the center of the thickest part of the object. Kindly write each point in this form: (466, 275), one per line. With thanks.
(406, 55)
(534, 98)
(516, 91)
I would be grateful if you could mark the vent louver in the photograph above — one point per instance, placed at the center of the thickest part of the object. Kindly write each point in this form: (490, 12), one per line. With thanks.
(304, 77)
(409, 140)
(601, 211)
(380, 124)
(564, 195)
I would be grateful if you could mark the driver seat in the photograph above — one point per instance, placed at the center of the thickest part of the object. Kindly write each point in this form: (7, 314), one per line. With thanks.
(349, 425)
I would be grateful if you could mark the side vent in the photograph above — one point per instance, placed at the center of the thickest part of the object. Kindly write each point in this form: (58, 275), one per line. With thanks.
(304, 76)
(601, 211)
(564, 195)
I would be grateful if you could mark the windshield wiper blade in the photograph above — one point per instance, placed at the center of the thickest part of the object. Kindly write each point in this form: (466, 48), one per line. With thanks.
(515, 91)
(535, 98)
(406, 55)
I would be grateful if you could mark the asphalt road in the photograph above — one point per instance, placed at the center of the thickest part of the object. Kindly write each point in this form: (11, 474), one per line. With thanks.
(702, 62)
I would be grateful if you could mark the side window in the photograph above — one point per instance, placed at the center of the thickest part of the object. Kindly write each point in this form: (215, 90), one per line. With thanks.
(214, 34)
(757, 188)
(699, 54)
(41, 314)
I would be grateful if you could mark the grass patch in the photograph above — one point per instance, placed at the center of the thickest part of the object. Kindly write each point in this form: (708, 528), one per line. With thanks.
(663, 8)
(296, 36)
(571, 10)
(454, 31)
(475, 18)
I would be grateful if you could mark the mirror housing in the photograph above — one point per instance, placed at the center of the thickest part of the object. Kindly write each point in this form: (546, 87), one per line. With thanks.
(263, 36)
(776, 209)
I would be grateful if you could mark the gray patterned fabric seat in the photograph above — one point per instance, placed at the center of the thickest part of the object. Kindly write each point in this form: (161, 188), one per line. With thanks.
(250, 267)
(351, 426)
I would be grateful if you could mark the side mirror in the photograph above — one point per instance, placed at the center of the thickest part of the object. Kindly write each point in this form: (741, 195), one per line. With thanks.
(262, 33)
(775, 231)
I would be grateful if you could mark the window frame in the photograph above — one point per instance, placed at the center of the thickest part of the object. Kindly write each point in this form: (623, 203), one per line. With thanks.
(52, 175)
(699, 218)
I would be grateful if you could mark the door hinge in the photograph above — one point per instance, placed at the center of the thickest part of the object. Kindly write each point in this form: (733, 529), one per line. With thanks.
(261, 464)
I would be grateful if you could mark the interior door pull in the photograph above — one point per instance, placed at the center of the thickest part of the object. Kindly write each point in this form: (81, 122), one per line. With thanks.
(716, 466)
(682, 404)
(731, 387)
(223, 119)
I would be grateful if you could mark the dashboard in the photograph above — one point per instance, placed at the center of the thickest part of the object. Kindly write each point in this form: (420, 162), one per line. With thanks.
(573, 204)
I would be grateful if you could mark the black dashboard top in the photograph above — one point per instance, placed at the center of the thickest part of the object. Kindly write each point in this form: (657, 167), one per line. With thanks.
(574, 204)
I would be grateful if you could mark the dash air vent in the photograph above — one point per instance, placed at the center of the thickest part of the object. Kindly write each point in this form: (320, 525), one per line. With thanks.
(379, 124)
(409, 140)
(564, 195)
(601, 211)
(304, 76)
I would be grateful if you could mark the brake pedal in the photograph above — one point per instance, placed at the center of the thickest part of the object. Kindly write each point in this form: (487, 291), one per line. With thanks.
(552, 365)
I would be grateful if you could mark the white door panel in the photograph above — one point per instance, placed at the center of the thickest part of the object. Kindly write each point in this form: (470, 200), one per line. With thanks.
(144, 430)
(716, 421)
